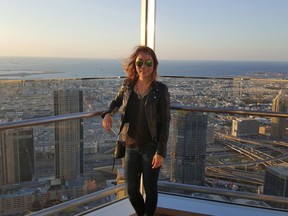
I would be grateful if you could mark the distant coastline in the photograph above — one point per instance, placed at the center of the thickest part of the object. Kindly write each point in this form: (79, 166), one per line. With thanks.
(21, 73)
(54, 68)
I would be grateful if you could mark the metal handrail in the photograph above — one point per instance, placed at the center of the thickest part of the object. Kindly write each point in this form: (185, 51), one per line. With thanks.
(46, 120)
(54, 210)
(160, 76)
(229, 111)
(223, 192)
(104, 193)
(52, 119)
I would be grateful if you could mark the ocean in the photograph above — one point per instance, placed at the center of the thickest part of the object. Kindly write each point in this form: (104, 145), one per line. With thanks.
(28, 68)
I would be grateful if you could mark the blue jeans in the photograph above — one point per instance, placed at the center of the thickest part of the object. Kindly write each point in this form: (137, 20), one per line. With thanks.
(137, 162)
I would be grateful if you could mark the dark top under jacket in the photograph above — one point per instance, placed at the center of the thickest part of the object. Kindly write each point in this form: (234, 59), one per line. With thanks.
(156, 108)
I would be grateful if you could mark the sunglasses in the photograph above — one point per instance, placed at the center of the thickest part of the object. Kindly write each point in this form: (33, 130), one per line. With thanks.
(148, 63)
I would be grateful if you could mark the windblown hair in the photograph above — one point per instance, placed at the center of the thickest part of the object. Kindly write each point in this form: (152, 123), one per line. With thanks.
(129, 66)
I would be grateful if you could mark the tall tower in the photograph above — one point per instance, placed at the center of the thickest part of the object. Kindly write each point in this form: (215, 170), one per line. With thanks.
(280, 104)
(16, 155)
(188, 147)
(276, 181)
(68, 135)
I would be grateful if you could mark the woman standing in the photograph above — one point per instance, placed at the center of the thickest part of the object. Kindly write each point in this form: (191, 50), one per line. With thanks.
(144, 125)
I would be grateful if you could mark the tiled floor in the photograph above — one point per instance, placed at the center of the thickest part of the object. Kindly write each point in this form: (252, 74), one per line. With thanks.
(171, 205)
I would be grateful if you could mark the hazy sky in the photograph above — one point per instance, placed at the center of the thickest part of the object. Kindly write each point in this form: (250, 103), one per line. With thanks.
(185, 29)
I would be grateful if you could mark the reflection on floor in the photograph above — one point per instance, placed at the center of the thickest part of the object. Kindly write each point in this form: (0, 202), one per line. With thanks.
(173, 212)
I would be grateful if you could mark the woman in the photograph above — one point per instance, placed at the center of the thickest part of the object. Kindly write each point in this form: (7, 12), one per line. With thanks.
(144, 124)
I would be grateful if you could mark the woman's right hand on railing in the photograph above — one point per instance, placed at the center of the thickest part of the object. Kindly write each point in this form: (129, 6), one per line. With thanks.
(107, 122)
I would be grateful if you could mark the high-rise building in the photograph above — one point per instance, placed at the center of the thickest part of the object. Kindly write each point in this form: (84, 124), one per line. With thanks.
(16, 155)
(69, 151)
(280, 104)
(245, 127)
(276, 180)
(188, 147)
(210, 134)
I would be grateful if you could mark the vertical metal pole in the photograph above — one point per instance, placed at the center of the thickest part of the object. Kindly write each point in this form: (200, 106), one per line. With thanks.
(148, 22)
(143, 38)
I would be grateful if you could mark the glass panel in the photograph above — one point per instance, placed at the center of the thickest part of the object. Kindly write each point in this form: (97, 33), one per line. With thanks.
(60, 161)
(222, 38)
(227, 151)
(67, 39)
(44, 165)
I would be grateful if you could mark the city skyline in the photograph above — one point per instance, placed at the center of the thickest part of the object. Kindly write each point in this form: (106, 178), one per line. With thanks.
(186, 29)
(252, 154)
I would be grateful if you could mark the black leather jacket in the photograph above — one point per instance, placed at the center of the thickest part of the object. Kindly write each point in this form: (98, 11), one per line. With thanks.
(157, 108)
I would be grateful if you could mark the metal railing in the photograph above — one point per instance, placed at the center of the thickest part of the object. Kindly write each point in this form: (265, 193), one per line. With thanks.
(52, 119)
(222, 192)
(167, 185)
(162, 185)
(54, 210)
(45, 120)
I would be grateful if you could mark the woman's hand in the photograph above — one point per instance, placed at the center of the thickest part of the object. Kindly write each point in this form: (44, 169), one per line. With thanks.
(157, 161)
(107, 122)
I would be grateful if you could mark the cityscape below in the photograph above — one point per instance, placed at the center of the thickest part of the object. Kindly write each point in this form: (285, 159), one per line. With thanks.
(45, 165)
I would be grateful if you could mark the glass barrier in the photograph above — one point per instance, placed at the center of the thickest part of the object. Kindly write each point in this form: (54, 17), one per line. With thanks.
(44, 165)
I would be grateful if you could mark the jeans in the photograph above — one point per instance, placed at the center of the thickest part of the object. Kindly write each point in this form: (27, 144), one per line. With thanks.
(138, 161)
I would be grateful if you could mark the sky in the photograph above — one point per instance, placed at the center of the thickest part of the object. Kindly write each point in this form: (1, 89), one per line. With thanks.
(185, 29)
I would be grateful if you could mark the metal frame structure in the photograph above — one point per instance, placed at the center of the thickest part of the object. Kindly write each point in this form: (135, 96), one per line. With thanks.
(148, 23)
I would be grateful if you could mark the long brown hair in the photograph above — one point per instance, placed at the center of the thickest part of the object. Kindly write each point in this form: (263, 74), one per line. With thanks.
(129, 64)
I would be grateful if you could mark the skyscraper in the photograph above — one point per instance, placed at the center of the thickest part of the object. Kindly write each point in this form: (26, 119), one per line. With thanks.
(276, 181)
(69, 135)
(16, 155)
(188, 147)
(280, 104)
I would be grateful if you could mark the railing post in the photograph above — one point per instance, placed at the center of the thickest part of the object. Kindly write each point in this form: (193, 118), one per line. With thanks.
(148, 20)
